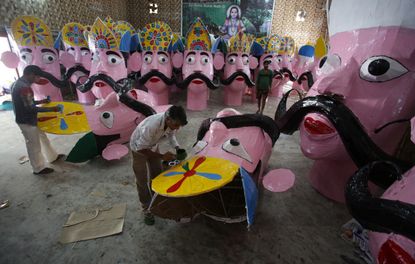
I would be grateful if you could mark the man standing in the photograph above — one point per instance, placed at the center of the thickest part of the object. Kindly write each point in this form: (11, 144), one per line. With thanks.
(146, 158)
(25, 110)
(263, 84)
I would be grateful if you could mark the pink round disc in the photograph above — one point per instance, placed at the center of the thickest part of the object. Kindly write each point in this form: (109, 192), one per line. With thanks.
(279, 180)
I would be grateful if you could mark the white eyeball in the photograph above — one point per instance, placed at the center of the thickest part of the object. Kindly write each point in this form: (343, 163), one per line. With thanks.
(381, 69)
(107, 119)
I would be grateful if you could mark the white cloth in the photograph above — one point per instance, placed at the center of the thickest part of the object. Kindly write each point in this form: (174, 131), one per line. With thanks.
(357, 14)
(36, 139)
(150, 131)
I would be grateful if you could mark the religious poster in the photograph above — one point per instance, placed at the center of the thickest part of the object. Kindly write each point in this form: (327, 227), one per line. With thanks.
(226, 18)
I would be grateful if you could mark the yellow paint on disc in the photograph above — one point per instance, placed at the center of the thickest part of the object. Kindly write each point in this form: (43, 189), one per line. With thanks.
(71, 121)
(195, 176)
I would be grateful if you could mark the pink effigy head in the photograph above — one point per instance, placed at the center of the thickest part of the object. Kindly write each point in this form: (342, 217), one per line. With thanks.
(156, 61)
(35, 47)
(113, 118)
(381, 243)
(217, 143)
(371, 69)
(156, 39)
(47, 59)
(197, 61)
(237, 62)
(108, 62)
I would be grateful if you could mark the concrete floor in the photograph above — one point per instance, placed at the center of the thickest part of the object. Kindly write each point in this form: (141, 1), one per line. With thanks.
(298, 226)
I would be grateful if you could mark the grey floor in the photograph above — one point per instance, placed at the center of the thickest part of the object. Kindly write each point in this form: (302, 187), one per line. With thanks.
(298, 226)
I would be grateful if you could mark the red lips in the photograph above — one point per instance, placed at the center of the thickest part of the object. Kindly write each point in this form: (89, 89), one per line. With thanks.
(317, 127)
(154, 79)
(239, 78)
(42, 81)
(100, 84)
(197, 81)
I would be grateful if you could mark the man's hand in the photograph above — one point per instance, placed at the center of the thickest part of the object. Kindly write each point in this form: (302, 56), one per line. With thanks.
(46, 100)
(168, 156)
(58, 108)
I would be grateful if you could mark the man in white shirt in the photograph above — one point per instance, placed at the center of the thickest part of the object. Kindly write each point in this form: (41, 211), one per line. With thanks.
(146, 158)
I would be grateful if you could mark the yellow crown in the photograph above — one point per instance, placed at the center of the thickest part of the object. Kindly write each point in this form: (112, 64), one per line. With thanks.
(120, 28)
(101, 36)
(198, 37)
(73, 35)
(31, 31)
(240, 43)
(287, 45)
(156, 36)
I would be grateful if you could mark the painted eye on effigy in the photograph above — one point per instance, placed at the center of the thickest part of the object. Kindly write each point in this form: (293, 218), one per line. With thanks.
(204, 60)
(190, 59)
(26, 57)
(84, 52)
(163, 59)
(381, 69)
(114, 59)
(107, 119)
(235, 147)
(148, 58)
(48, 57)
(231, 60)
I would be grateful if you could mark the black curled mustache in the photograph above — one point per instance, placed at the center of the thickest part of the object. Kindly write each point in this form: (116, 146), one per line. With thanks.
(378, 214)
(154, 73)
(236, 74)
(277, 74)
(76, 68)
(52, 79)
(306, 76)
(115, 85)
(290, 74)
(198, 75)
(357, 142)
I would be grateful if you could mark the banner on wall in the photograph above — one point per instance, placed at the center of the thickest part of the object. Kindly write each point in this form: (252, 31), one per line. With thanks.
(226, 18)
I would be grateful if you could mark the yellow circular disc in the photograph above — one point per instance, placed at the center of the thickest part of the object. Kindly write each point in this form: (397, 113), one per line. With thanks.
(195, 176)
(72, 120)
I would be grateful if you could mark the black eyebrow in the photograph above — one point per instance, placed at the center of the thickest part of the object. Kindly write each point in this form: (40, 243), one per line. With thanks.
(48, 50)
(244, 55)
(233, 54)
(191, 53)
(268, 56)
(110, 52)
(204, 53)
(70, 48)
(162, 52)
(26, 49)
(85, 49)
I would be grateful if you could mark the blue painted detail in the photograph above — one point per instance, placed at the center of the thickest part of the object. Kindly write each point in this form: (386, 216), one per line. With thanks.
(251, 195)
(306, 51)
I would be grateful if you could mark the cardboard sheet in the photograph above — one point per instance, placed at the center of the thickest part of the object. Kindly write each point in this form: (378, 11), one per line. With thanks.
(93, 223)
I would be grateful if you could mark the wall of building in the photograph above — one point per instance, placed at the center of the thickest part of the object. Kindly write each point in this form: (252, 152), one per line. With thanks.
(56, 13)
(314, 25)
(169, 11)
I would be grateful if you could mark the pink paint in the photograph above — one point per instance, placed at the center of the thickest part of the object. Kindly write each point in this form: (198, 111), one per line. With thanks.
(279, 180)
(47, 58)
(161, 62)
(374, 103)
(241, 62)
